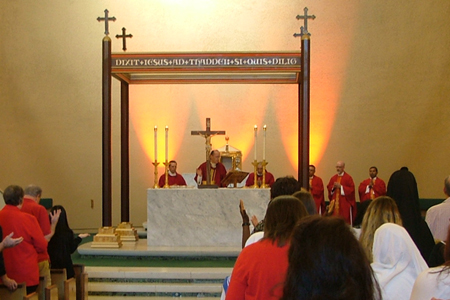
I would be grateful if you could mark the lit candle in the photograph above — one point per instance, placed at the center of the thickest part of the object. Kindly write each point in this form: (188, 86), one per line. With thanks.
(264, 143)
(156, 143)
(167, 143)
(256, 130)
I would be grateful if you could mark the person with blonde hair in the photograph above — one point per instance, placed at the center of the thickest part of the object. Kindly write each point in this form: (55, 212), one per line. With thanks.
(382, 210)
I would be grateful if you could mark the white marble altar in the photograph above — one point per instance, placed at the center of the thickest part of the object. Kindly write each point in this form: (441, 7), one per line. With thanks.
(190, 217)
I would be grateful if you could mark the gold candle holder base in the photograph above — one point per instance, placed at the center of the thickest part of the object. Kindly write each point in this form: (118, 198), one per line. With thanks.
(263, 183)
(255, 173)
(156, 163)
(166, 182)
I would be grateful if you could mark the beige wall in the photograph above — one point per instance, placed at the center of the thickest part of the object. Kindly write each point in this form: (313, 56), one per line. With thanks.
(380, 84)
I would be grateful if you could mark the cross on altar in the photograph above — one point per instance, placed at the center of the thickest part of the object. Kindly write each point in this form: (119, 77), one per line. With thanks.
(124, 36)
(305, 17)
(106, 19)
(208, 134)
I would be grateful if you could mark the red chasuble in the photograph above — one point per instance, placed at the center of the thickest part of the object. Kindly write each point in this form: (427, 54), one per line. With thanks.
(347, 203)
(378, 189)
(173, 180)
(317, 191)
(251, 179)
(218, 173)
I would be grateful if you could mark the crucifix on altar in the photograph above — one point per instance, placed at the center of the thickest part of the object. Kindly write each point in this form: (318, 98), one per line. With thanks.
(208, 134)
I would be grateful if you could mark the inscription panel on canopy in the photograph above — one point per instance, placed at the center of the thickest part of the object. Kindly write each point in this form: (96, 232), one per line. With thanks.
(207, 67)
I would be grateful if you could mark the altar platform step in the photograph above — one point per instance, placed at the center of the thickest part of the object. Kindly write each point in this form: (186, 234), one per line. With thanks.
(141, 249)
(155, 283)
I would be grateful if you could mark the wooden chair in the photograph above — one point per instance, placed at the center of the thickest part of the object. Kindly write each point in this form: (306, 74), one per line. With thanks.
(70, 289)
(81, 286)
(32, 296)
(41, 288)
(51, 292)
(58, 278)
(84, 286)
(18, 294)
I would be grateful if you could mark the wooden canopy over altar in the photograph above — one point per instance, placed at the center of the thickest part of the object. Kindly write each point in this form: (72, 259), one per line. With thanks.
(198, 68)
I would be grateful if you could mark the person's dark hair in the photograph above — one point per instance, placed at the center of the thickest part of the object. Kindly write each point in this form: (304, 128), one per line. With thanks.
(447, 185)
(312, 166)
(283, 214)
(63, 225)
(373, 167)
(327, 262)
(13, 195)
(172, 161)
(284, 186)
(33, 190)
(307, 200)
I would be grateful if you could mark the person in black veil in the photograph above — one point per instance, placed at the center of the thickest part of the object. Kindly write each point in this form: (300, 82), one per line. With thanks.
(63, 244)
(402, 187)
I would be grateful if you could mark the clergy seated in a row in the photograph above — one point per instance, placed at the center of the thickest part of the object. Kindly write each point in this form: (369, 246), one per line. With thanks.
(173, 178)
(259, 177)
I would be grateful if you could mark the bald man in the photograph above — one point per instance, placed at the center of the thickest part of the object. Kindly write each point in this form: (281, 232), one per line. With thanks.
(341, 189)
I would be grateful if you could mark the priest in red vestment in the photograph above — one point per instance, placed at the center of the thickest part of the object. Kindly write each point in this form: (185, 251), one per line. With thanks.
(218, 170)
(373, 187)
(341, 189)
(317, 190)
(173, 177)
(259, 177)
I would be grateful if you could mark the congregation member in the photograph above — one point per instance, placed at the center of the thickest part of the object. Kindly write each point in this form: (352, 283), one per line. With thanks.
(380, 211)
(396, 261)
(287, 185)
(218, 170)
(373, 187)
(402, 187)
(259, 177)
(31, 206)
(63, 243)
(260, 269)
(341, 190)
(7, 242)
(21, 262)
(317, 190)
(434, 283)
(173, 178)
(327, 262)
(438, 216)
(307, 200)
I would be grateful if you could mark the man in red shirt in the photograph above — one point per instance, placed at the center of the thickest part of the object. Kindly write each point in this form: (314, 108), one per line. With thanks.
(341, 189)
(173, 177)
(373, 187)
(21, 261)
(31, 206)
(317, 190)
(259, 177)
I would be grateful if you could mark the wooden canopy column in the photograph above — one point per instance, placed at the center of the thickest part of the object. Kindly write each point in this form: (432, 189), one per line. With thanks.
(304, 103)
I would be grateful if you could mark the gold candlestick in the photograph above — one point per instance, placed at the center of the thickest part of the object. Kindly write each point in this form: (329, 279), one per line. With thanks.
(263, 183)
(156, 163)
(166, 184)
(255, 173)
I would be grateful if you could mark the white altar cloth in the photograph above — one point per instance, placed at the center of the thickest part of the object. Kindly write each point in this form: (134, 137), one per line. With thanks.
(190, 217)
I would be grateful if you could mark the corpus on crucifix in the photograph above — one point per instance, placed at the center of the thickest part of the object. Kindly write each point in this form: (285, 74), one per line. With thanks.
(211, 171)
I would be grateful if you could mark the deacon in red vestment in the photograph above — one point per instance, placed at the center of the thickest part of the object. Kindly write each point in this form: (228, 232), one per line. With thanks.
(341, 189)
(317, 190)
(218, 170)
(259, 177)
(373, 187)
(173, 177)
(21, 262)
